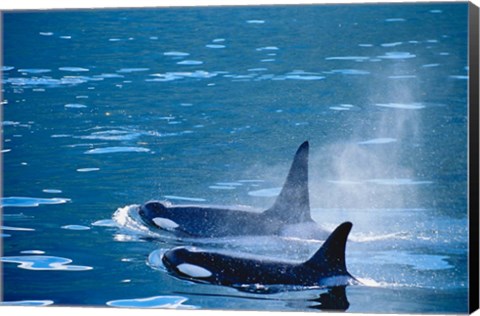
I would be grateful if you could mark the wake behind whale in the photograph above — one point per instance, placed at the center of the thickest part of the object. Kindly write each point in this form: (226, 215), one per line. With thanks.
(291, 209)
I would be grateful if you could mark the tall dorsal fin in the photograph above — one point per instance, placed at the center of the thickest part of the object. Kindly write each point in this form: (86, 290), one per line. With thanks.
(292, 206)
(331, 256)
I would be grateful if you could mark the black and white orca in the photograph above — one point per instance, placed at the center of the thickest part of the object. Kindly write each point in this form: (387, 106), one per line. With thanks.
(291, 208)
(326, 268)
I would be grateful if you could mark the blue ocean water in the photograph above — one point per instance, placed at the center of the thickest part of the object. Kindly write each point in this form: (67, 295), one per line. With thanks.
(106, 109)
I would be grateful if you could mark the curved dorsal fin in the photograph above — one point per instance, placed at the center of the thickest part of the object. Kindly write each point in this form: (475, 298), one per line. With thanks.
(331, 256)
(292, 206)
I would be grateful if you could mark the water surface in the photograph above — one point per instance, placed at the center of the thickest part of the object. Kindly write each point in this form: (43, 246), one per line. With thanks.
(104, 109)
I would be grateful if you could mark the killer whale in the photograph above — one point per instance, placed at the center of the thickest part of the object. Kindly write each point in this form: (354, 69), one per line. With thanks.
(291, 207)
(326, 268)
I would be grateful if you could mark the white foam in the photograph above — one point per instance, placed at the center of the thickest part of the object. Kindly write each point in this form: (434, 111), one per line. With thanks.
(255, 21)
(194, 270)
(165, 223)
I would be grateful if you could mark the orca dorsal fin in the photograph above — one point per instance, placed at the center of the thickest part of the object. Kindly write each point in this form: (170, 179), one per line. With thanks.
(331, 256)
(292, 206)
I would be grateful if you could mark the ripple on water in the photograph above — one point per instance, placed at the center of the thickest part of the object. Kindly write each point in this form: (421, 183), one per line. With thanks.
(349, 72)
(73, 69)
(378, 141)
(166, 301)
(255, 21)
(7, 68)
(184, 198)
(406, 106)
(395, 20)
(397, 55)
(34, 70)
(398, 181)
(270, 192)
(75, 106)
(402, 77)
(87, 169)
(267, 48)
(215, 46)
(22, 229)
(52, 191)
(36, 303)
(76, 227)
(416, 261)
(110, 150)
(39, 262)
(170, 76)
(190, 62)
(176, 54)
(303, 77)
(130, 70)
(32, 252)
(15, 201)
(221, 187)
(121, 135)
(105, 223)
(354, 58)
(391, 44)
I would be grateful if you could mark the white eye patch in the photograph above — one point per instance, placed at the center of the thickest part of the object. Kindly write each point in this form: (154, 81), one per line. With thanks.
(194, 270)
(165, 223)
